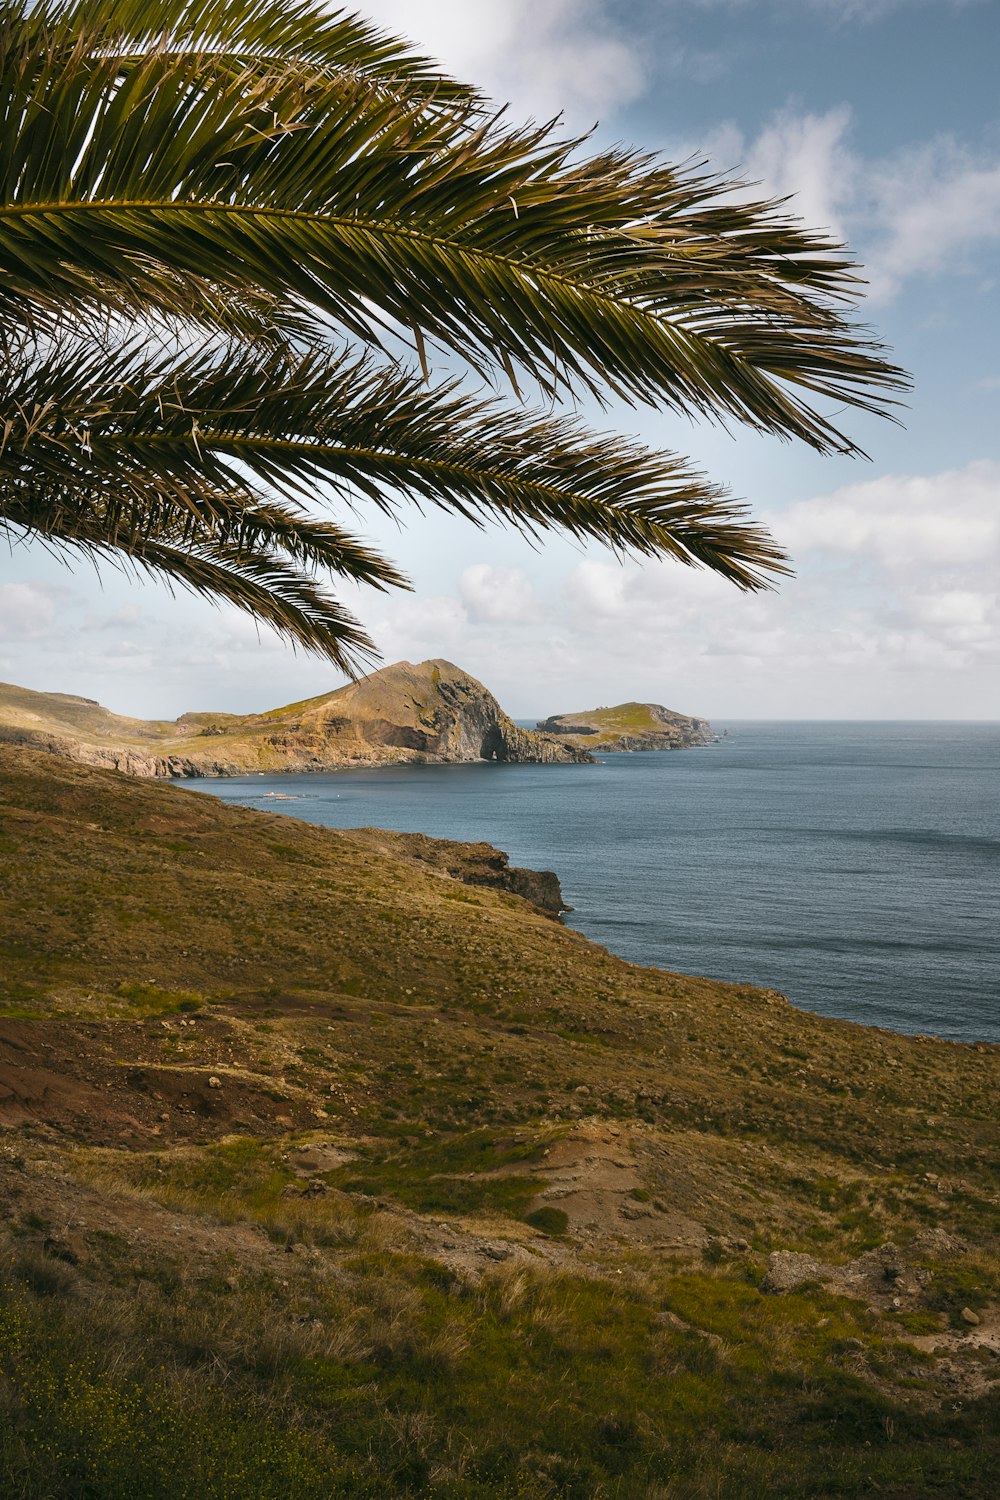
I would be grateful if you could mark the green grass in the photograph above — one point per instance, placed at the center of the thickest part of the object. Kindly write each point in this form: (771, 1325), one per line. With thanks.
(549, 1220)
(455, 1175)
(572, 1386)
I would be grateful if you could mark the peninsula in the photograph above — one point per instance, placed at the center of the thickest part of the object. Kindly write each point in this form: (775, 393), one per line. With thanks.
(432, 712)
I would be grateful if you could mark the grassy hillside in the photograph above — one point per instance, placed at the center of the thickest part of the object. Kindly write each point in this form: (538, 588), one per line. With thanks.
(77, 718)
(324, 1174)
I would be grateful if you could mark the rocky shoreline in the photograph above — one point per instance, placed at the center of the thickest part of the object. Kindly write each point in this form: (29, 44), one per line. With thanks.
(478, 864)
(431, 713)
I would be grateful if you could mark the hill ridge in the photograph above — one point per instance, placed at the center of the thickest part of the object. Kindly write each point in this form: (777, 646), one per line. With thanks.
(431, 712)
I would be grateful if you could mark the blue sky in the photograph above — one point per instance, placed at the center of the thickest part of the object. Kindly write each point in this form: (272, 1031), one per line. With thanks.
(882, 117)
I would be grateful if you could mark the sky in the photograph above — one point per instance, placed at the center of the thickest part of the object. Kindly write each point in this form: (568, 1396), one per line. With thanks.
(882, 117)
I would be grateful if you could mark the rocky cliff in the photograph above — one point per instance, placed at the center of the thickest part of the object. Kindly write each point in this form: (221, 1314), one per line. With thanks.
(473, 864)
(431, 712)
(630, 726)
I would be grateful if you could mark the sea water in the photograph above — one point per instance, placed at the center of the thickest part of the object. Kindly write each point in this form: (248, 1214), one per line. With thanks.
(853, 867)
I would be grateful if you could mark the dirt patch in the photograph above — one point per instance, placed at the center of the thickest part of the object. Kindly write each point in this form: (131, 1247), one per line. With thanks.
(104, 1085)
(319, 1156)
(591, 1174)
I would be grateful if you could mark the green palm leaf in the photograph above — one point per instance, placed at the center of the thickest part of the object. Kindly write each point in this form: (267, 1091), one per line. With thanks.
(195, 199)
(191, 441)
(231, 554)
(610, 273)
(296, 31)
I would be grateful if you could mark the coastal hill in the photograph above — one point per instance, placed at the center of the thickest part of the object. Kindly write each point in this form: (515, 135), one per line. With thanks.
(630, 726)
(326, 1174)
(433, 712)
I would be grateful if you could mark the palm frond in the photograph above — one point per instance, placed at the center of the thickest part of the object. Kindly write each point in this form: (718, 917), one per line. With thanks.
(258, 29)
(246, 571)
(611, 273)
(195, 438)
(206, 208)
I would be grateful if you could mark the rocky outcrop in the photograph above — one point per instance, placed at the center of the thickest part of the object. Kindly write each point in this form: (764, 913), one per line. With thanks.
(105, 757)
(877, 1274)
(630, 726)
(432, 712)
(472, 864)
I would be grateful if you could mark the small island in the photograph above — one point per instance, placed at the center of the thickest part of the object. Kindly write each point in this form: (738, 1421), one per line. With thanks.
(630, 726)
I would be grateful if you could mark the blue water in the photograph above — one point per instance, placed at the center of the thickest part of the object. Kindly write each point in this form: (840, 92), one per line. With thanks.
(853, 867)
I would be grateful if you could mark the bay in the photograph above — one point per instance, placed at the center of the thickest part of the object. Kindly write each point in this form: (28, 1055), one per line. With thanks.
(853, 867)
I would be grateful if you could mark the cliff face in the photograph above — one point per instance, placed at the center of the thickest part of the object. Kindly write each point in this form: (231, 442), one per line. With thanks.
(630, 726)
(432, 712)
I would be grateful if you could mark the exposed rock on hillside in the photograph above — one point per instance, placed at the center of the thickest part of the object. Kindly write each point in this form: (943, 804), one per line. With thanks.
(472, 864)
(630, 726)
(433, 712)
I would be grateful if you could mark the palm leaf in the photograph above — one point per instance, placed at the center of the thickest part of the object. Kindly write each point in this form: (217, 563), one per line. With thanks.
(258, 29)
(196, 438)
(334, 195)
(205, 209)
(247, 572)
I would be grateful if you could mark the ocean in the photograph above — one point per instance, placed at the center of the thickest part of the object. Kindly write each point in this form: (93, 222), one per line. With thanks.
(855, 867)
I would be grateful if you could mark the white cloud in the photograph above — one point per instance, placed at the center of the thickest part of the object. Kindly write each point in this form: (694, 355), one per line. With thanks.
(598, 590)
(934, 205)
(415, 627)
(498, 595)
(545, 57)
(910, 525)
(28, 611)
(126, 618)
(806, 155)
(925, 556)
(919, 211)
(894, 613)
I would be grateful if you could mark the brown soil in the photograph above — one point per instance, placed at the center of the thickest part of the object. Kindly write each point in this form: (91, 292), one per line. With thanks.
(106, 1085)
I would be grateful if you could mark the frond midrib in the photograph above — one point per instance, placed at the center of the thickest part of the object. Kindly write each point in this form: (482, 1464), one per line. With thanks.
(212, 438)
(388, 227)
(651, 533)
